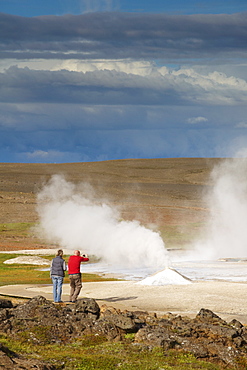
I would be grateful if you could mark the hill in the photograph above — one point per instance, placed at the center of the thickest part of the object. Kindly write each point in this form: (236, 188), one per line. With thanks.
(166, 194)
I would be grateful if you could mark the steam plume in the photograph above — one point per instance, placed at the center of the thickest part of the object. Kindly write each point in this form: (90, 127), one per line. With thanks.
(69, 217)
(227, 199)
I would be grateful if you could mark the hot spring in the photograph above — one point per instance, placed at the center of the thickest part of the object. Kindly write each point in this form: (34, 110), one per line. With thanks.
(73, 219)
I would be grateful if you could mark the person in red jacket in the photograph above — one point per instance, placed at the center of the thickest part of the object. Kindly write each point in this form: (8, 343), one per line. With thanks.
(74, 264)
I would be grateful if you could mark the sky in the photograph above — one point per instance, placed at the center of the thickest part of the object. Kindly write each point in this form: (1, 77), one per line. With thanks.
(94, 80)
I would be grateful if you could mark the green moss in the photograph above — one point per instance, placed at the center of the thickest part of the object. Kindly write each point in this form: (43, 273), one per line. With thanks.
(91, 353)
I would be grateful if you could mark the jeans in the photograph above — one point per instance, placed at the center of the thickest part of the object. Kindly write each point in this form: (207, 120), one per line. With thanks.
(57, 287)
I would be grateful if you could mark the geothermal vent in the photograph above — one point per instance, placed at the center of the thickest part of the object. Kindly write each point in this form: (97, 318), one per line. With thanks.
(165, 277)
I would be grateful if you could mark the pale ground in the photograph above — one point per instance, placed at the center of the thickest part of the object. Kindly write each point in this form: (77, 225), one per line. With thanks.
(226, 299)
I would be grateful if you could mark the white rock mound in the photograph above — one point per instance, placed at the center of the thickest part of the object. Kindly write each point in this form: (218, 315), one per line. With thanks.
(28, 260)
(165, 277)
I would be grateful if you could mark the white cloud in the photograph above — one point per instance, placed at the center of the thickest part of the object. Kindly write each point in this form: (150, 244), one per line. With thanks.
(128, 66)
(41, 154)
(88, 6)
(195, 120)
(51, 156)
(34, 64)
(214, 88)
(241, 125)
(242, 153)
(233, 147)
(141, 68)
(121, 79)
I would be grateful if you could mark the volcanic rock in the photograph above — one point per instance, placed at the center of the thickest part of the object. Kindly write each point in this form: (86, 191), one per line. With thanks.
(40, 321)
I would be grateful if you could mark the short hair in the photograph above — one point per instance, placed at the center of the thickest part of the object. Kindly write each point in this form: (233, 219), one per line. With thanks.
(59, 253)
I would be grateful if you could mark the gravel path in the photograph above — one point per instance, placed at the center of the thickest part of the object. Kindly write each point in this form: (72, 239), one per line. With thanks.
(228, 300)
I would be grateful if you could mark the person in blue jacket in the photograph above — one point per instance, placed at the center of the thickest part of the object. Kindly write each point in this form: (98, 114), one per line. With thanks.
(57, 272)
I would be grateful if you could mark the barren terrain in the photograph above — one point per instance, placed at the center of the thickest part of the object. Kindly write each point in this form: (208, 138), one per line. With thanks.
(167, 193)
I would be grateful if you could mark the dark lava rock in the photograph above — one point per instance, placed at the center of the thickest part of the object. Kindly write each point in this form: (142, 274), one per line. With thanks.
(40, 321)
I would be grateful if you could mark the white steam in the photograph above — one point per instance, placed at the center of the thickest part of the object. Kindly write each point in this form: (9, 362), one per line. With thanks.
(69, 217)
(227, 232)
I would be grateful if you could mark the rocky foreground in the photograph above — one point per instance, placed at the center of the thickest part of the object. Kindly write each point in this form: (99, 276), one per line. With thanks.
(40, 321)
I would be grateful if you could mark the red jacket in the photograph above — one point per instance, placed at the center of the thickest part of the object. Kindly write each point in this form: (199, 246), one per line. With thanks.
(74, 264)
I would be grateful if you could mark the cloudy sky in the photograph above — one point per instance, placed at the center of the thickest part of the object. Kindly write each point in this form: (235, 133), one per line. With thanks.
(92, 80)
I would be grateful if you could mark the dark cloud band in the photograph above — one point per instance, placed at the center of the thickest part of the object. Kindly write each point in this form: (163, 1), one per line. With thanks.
(118, 35)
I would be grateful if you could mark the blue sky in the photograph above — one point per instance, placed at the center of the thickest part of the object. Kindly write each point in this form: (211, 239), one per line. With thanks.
(97, 80)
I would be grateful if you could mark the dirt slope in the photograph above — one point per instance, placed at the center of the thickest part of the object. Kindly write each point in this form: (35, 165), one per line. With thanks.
(164, 192)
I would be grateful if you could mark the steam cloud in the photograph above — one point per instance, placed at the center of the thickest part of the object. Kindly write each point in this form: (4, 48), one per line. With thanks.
(226, 234)
(71, 218)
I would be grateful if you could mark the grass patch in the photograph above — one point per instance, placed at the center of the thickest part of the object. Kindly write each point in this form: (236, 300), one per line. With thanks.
(20, 229)
(11, 274)
(92, 354)
(21, 273)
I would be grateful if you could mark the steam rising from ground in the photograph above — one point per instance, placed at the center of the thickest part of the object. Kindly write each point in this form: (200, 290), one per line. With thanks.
(73, 218)
(227, 232)
(70, 217)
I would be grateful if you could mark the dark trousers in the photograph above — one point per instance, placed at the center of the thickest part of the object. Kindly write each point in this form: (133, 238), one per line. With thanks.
(75, 286)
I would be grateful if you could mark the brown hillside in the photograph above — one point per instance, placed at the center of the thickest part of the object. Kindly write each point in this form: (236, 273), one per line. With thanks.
(167, 193)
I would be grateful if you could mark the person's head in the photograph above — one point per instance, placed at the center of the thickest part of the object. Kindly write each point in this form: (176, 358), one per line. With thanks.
(59, 253)
(77, 253)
